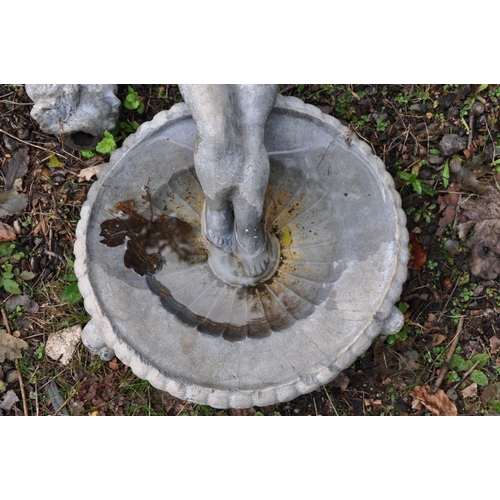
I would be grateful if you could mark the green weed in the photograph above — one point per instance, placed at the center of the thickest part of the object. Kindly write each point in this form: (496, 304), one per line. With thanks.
(425, 212)
(410, 179)
(71, 294)
(107, 144)
(10, 274)
(133, 101)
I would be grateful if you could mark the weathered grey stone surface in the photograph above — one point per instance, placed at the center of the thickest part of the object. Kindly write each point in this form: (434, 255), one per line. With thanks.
(77, 114)
(343, 259)
(232, 166)
(452, 143)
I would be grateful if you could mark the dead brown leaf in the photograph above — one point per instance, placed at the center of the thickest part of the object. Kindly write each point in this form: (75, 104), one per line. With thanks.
(494, 344)
(8, 401)
(145, 239)
(341, 381)
(489, 393)
(89, 172)
(438, 403)
(448, 208)
(10, 347)
(12, 202)
(17, 167)
(468, 174)
(438, 339)
(113, 364)
(417, 252)
(469, 391)
(7, 233)
(432, 324)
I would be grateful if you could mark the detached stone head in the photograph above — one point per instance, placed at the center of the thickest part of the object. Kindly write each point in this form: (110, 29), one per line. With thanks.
(77, 114)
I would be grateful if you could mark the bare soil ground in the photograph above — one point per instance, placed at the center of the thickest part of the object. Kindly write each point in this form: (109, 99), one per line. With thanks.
(440, 143)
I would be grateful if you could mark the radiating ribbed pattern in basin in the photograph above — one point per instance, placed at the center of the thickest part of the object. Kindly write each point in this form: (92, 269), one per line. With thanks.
(294, 203)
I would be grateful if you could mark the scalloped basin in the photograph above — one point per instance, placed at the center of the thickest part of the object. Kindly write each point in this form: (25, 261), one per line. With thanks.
(334, 288)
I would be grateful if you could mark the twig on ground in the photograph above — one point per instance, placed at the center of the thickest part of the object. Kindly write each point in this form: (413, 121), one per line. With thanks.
(28, 143)
(16, 364)
(52, 152)
(444, 368)
(55, 256)
(288, 87)
(36, 400)
(471, 130)
(450, 295)
(3, 101)
(180, 411)
(331, 402)
(21, 385)
(6, 322)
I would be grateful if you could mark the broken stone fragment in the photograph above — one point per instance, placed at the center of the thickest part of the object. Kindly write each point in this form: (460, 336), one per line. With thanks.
(452, 143)
(77, 114)
(61, 345)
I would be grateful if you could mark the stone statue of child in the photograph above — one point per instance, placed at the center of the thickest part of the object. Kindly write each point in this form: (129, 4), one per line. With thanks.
(233, 166)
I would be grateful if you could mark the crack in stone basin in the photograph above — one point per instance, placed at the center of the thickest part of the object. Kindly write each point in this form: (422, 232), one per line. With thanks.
(196, 296)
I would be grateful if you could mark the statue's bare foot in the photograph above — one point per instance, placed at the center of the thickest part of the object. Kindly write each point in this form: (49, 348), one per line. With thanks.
(253, 258)
(255, 266)
(219, 228)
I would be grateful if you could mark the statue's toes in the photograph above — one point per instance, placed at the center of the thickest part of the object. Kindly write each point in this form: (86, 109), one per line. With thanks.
(255, 267)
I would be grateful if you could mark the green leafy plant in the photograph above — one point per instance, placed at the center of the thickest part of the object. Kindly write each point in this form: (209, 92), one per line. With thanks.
(458, 364)
(28, 222)
(133, 101)
(128, 127)
(479, 378)
(107, 144)
(40, 351)
(10, 275)
(446, 174)
(424, 212)
(17, 312)
(412, 180)
(87, 154)
(7, 280)
(381, 125)
(466, 294)
(71, 293)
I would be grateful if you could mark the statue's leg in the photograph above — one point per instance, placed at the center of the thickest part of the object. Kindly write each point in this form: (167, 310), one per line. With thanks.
(254, 103)
(218, 156)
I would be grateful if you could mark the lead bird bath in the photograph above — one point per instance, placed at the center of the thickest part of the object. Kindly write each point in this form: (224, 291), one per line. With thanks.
(338, 253)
